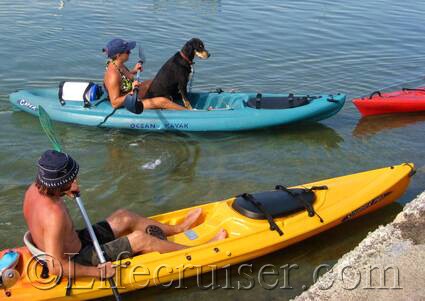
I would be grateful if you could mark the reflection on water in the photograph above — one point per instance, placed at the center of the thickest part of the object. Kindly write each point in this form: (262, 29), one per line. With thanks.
(309, 133)
(371, 125)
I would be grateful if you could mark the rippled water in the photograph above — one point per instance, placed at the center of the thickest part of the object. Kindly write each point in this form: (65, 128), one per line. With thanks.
(295, 46)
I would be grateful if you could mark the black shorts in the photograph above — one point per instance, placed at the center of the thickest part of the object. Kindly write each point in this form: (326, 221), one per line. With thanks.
(113, 249)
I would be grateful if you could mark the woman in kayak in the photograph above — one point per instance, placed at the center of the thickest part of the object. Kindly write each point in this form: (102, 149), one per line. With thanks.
(120, 82)
(121, 235)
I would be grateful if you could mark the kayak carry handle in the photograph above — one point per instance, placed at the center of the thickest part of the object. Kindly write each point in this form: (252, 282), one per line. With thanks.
(409, 89)
(258, 100)
(374, 93)
(412, 169)
(332, 99)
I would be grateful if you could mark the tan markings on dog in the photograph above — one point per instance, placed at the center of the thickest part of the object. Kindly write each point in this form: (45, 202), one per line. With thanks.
(202, 54)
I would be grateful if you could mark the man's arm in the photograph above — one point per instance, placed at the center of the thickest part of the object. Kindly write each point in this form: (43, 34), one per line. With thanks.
(53, 242)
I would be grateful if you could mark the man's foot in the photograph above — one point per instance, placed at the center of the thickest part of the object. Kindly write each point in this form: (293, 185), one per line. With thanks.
(222, 234)
(190, 219)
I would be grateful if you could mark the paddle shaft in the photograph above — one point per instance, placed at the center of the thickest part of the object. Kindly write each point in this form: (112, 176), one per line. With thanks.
(96, 245)
(138, 78)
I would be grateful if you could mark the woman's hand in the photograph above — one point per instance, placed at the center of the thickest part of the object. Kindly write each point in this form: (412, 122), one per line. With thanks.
(136, 84)
(137, 67)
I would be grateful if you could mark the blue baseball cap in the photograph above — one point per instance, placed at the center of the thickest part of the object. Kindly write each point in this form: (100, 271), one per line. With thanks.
(117, 46)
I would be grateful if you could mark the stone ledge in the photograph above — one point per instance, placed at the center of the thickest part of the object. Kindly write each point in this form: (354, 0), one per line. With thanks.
(389, 264)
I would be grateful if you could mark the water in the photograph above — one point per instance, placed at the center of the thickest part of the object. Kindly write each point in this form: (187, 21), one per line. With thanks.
(295, 46)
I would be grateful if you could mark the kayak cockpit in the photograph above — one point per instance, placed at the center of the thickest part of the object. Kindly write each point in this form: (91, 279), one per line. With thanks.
(224, 100)
(278, 102)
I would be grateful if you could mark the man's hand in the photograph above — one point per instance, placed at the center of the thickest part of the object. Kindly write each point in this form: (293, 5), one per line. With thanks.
(106, 270)
(73, 189)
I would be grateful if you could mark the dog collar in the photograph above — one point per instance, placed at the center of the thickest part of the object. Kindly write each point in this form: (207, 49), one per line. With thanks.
(186, 58)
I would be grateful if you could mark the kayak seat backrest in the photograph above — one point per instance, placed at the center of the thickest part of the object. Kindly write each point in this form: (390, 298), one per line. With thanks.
(277, 203)
(29, 243)
(203, 101)
(278, 103)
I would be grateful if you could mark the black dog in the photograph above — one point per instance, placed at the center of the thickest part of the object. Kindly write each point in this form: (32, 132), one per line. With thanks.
(171, 80)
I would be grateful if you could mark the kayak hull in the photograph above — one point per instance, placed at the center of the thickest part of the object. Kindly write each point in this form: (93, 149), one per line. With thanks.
(231, 112)
(346, 198)
(403, 101)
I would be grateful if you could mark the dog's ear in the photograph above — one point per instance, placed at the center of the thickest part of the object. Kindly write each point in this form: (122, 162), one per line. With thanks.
(188, 48)
(198, 44)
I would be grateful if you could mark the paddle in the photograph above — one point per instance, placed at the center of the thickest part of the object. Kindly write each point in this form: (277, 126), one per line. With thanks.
(142, 59)
(46, 124)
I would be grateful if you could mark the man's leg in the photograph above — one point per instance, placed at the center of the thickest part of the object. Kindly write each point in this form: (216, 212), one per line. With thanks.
(141, 242)
(124, 222)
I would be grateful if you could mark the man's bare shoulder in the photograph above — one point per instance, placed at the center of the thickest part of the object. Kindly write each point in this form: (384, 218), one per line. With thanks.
(40, 208)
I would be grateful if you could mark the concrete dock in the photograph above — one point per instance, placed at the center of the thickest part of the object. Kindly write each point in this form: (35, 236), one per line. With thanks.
(389, 264)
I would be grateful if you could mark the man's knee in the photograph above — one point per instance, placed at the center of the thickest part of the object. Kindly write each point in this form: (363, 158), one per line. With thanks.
(122, 216)
(140, 241)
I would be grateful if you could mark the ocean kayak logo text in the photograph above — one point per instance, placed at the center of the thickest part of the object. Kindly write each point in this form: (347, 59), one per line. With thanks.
(167, 126)
(27, 104)
(365, 206)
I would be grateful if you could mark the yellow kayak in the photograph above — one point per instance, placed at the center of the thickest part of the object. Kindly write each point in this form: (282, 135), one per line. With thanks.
(257, 224)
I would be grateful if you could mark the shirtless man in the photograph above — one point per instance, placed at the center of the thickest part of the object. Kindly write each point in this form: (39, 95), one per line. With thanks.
(122, 233)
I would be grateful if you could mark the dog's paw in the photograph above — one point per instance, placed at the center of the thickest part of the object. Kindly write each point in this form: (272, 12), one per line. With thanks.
(187, 105)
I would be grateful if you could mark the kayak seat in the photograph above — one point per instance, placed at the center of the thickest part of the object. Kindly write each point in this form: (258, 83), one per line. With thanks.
(39, 255)
(277, 203)
(277, 103)
(29, 243)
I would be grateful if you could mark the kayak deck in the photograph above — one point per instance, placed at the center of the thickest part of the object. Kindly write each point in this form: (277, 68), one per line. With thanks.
(345, 198)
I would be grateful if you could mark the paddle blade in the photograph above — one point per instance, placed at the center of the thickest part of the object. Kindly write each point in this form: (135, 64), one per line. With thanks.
(46, 124)
(142, 57)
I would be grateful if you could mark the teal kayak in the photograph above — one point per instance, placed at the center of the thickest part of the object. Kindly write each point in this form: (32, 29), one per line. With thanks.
(213, 111)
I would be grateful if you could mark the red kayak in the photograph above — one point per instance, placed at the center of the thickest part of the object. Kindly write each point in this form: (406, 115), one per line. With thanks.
(403, 101)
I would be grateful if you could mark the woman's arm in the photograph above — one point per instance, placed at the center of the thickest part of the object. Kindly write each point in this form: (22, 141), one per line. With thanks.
(112, 83)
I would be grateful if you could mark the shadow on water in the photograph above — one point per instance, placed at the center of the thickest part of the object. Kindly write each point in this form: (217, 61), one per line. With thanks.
(304, 257)
(309, 133)
(371, 125)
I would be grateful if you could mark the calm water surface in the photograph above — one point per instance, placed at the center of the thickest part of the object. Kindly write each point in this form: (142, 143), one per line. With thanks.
(275, 46)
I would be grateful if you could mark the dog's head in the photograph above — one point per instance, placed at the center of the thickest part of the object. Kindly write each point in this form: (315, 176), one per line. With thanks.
(195, 47)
